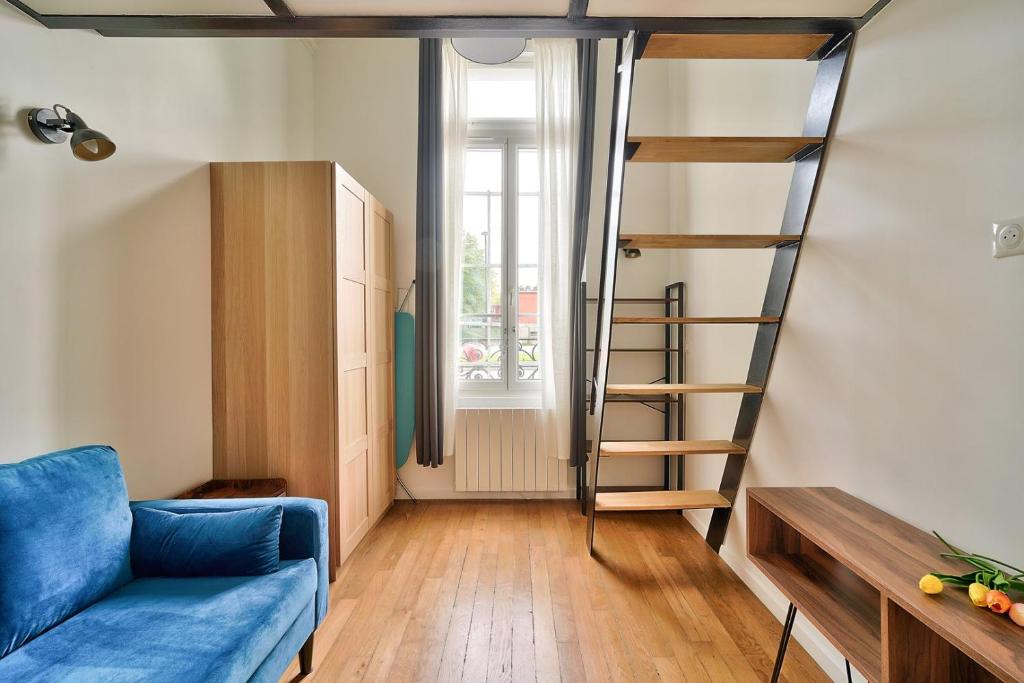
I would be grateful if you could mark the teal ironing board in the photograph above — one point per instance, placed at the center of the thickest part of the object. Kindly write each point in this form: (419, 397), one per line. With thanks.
(405, 385)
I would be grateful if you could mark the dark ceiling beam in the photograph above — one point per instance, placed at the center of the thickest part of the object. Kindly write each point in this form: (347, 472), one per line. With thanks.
(17, 4)
(577, 9)
(279, 8)
(433, 27)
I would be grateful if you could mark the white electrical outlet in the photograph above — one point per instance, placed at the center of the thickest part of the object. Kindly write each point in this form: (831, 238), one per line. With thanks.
(1008, 238)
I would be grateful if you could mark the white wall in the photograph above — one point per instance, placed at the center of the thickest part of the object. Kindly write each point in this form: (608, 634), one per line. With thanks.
(105, 267)
(899, 374)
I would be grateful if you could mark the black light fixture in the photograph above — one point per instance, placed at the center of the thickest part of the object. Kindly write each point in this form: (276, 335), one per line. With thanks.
(52, 127)
(631, 252)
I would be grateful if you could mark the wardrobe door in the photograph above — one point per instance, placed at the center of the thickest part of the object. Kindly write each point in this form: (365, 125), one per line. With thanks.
(352, 246)
(382, 464)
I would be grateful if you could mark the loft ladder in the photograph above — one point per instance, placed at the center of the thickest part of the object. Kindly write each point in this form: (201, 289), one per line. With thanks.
(805, 153)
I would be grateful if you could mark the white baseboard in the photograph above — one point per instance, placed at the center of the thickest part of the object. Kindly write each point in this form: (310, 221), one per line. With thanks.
(817, 646)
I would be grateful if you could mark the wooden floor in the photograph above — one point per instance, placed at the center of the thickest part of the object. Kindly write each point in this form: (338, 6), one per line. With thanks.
(505, 591)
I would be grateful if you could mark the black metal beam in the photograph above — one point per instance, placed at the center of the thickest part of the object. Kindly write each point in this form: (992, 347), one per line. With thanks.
(427, 27)
(577, 9)
(875, 9)
(18, 5)
(279, 8)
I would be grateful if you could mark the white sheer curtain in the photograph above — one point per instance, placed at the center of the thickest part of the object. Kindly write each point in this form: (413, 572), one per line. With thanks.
(456, 131)
(557, 133)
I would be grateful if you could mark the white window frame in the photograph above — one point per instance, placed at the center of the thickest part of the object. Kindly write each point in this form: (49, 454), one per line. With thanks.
(509, 135)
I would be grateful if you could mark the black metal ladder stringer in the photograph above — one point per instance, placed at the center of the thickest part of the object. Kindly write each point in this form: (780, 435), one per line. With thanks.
(625, 62)
(820, 121)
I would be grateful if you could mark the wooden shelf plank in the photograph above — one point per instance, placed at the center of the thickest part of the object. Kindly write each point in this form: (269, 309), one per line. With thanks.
(719, 149)
(694, 320)
(637, 399)
(618, 449)
(668, 241)
(844, 608)
(674, 389)
(734, 46)
(659, 500)
(638, 300)
(638, 350)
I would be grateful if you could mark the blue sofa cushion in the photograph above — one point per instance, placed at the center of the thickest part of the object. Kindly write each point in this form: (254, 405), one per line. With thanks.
(174, 630)
(238, 543)
(64, 536)
(303, 529)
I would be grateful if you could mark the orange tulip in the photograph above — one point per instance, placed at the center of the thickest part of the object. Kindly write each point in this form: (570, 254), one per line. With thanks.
(1017, 613)
(998, 601)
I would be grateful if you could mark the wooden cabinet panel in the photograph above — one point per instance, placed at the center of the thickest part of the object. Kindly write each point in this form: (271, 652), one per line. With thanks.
(354, 507)
(383, 427)
(303, 295)
(354, 329)
(273, 353)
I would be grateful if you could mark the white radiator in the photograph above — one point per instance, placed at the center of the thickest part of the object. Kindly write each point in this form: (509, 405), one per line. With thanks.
(500, 450)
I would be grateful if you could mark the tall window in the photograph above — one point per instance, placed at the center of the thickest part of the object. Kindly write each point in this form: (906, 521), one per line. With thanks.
(498, 355)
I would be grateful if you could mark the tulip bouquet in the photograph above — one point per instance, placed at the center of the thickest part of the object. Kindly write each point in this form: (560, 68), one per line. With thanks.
(986, 585)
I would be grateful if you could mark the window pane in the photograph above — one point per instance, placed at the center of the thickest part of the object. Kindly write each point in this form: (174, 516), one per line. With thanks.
(481, 351)
(528, 235)
(527, 332)
(483, 170)
(529, 171)
(527, 260)
(501, 92)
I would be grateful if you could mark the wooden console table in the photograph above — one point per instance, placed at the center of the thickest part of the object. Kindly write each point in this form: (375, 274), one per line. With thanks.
(853, 571)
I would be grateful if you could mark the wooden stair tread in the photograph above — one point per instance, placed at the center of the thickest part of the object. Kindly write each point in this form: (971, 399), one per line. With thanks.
(718, 149)
(691, 447)
(659, 389)
(693, 320)
(734, 46)
(659, 500)
(667, 241)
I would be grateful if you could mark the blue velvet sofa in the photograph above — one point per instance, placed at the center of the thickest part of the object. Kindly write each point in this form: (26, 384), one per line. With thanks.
(72, 610)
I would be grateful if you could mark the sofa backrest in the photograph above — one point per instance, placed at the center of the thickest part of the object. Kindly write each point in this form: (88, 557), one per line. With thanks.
(65, 528)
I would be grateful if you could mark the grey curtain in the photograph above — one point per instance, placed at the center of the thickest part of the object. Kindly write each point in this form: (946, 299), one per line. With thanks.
(430, 323)
(586, 53)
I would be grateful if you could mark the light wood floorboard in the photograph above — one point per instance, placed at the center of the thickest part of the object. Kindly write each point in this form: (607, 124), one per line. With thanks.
(505, 591)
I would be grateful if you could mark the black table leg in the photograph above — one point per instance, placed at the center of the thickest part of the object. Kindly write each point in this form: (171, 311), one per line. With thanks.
(787, 631)
(849, 675)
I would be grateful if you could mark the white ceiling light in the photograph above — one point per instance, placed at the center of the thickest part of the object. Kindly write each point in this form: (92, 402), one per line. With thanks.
(489, 50)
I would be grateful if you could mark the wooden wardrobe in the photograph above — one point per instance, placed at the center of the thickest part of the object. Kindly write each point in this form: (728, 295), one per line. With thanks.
(303, 292)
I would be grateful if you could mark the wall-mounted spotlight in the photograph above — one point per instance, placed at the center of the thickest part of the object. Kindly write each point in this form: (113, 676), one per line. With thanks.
(631, 252)
(53, 127)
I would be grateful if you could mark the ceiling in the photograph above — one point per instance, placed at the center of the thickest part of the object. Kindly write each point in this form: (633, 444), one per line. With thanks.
(428, 8)
(151, 7)
(440, 18)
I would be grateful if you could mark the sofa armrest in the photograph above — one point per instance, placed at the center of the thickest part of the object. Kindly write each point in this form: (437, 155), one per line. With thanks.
(303, 529)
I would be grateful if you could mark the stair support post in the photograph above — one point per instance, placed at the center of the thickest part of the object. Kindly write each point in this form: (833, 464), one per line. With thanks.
(821, 116)
(625, 61)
